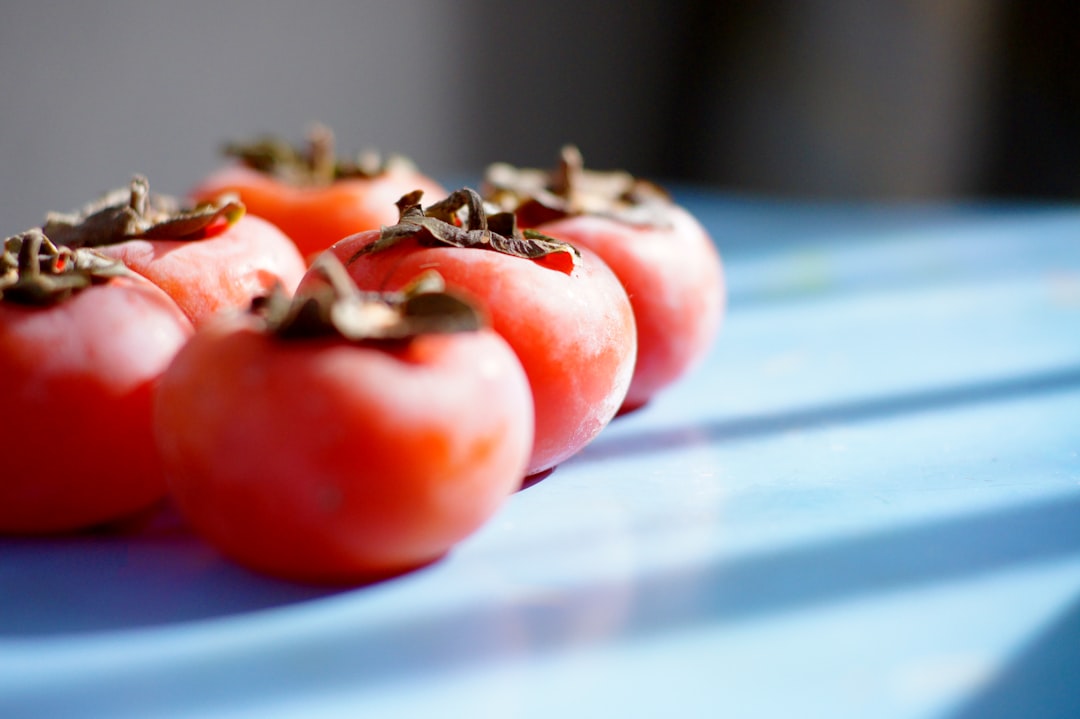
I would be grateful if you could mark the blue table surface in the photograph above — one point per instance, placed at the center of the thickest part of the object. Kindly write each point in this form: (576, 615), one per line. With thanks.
(866, 503)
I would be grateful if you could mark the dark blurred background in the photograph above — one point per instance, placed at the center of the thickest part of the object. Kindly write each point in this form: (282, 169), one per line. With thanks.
(890, 100)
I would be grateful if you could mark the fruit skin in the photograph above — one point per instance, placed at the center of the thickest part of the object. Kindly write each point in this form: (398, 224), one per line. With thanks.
(663, 256)
(673, 275)
(316, 216)
(330, 462)
(572, 329)
(77, 379)
(220, 272)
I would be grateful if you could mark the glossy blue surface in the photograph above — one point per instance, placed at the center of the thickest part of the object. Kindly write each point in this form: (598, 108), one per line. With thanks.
(865, 504)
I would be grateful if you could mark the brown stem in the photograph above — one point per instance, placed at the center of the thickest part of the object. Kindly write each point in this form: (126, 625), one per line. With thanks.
(321, 157)
(566, 178)
(140, 195)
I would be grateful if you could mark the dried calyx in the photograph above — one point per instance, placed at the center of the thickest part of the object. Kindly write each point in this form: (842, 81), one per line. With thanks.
(133, 213)
(461, 220)
(538, 196)
(313, 165)
(35, 271)
(332, 306)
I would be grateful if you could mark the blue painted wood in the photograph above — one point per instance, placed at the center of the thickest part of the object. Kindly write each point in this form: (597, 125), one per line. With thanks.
(865, 503)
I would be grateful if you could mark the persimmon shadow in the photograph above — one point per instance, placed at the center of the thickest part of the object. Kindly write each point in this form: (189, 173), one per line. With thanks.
(647, 441)
(725, 590)
(66, 585)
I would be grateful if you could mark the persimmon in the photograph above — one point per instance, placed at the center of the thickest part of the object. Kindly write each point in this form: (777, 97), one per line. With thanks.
(663, 256)
(83, 341)
(315, 197)
(561, 309)
(208, 257)
(344, 436)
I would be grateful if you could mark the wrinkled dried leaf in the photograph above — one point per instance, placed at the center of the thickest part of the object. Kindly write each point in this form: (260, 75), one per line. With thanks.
(34, 271)
(461, 220)
(571, 189)
(134, 213)
(333, 306)
(313, 165)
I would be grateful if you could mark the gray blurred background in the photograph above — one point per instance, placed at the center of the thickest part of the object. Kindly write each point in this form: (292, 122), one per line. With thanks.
(895, 99)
